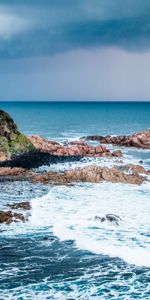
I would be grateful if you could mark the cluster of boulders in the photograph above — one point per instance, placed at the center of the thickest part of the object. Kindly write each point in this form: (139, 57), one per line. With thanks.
(9, 217)
(74, 148)
(138, 140)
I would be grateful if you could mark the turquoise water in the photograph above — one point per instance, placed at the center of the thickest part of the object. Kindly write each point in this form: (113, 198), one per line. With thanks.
(62, 119)
(80, 259)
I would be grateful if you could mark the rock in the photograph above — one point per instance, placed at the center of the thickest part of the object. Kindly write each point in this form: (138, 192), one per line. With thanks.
(36, 159)
(12, 171)
(75, 148)
(11, 140)
(111, 218)
(138, 140)
(140, 161)
(124, 174)
(135, 169)
(2, 156)
(93, 174)
(22, 205)
(117, 153)
(9, 217)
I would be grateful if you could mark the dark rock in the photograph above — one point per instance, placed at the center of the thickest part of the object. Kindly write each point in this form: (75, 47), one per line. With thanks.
(141, 161)
(22, 205)
(36, 159)
(9, 217)
(111, 218)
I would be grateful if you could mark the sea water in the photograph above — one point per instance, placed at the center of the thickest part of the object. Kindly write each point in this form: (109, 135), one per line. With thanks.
(62, 252)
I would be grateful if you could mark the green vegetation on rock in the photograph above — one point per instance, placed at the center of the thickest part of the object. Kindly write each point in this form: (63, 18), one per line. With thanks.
(11, 140)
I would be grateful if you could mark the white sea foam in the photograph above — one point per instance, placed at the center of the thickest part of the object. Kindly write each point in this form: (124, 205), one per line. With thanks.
(70, 212)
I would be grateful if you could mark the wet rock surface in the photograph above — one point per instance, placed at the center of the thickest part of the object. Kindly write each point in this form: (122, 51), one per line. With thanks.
(9, 217)
(138, 140)
(111, 218)
(36, 159)
(21, 205)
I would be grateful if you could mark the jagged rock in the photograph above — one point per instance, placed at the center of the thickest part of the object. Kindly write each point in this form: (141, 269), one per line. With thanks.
(126, 174)
(138, 140)
(9, 217)
(74, 148)
(93, 174)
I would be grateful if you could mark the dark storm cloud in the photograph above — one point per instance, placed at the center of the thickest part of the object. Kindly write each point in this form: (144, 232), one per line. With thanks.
(43, 27)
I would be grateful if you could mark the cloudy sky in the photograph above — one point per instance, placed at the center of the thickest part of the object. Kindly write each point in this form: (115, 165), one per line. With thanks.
(74, 50)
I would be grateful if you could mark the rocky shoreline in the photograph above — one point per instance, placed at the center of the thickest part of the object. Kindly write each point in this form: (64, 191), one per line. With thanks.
(138, 140)
(20, 155)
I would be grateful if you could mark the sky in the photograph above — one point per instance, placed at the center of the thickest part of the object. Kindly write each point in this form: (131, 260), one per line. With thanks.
(74, 50)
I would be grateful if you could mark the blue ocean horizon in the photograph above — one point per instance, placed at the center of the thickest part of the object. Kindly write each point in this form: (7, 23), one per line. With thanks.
(78, 118)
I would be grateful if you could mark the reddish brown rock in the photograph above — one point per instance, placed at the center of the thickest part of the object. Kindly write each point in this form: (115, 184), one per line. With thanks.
(2, 156)
(124, 174)
(117, 153)
(74, 148)
(12, 171)
(135, 169)
(22, 205)
(91, 174)
(138, 140)
(9, 217)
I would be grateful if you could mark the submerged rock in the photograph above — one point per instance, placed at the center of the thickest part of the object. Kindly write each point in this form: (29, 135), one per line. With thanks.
(138, 140)
(111, 218)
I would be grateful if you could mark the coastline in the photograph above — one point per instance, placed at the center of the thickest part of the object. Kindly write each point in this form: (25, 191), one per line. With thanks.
(74, 209)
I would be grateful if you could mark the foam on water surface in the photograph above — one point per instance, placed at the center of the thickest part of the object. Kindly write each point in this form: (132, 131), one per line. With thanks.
(70, 211)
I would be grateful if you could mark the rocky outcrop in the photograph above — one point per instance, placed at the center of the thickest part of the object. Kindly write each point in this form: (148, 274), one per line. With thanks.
(75, 148)
(138, 140)
(16, 150)
(36, 159)
(131, 174)
(12, 142)
(93, 174)
(9, 217)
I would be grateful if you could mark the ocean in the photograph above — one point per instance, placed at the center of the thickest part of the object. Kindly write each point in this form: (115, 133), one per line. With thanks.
(62, 252)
